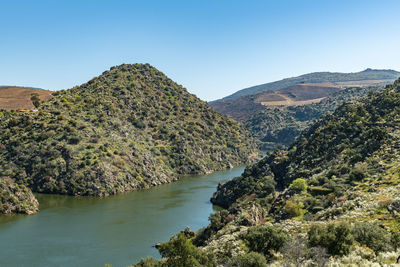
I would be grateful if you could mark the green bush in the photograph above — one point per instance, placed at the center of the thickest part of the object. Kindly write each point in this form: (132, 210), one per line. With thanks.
(292, 209)
(336, 238)
(180, 251)
(252, 259)
(265, 239)
(299, 185)
(395, 240)
(148, 262)
(372, 236)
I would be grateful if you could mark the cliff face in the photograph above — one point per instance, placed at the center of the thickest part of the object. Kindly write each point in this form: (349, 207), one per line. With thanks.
(129, 128)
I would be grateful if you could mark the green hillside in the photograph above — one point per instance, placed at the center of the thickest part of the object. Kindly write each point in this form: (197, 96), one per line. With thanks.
(372, 75)
(129, 128)
(277, 127)
(330, 199)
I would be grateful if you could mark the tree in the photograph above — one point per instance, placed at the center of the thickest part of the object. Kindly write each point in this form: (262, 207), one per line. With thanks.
(292, 209)
(299, 185)
(148, 262)
(265, 239)
(35, 100)
(252, 259)
(372, 235)
(180, 252)
(337, 239)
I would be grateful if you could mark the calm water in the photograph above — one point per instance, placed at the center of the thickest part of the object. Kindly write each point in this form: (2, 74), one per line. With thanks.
(119, 230)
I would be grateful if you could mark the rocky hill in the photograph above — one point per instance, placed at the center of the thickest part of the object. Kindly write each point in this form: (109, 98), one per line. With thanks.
(16, 98)
(330, 199)
(129, 128)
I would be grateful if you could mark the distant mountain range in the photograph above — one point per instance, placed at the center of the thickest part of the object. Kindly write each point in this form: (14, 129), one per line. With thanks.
(362, 78)
(277, 112)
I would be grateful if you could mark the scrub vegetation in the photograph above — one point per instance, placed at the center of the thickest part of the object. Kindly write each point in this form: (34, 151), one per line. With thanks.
(129, 128)
(330, 199)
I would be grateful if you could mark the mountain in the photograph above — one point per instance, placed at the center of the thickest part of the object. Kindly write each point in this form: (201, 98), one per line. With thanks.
(330, 199)
(276, 117)
(130, 128)
(242, 108)
(15, 98)
(362, 78)
(279, 126)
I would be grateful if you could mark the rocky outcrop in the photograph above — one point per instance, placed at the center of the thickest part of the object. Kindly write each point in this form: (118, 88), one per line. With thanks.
(15, 198)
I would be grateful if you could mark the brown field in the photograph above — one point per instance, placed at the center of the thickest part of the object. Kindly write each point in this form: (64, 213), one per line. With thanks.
(14, 97)
(290, 102)
(300, 94)
(241, 108)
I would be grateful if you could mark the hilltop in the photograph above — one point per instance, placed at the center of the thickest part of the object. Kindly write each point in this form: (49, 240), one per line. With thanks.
(15, 98)
(130, 128)
(362, 78)
(330, 199)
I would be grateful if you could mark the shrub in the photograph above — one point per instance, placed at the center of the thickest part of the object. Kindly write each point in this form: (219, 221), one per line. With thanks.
(395, 240)
(299, 185)
(358, 172)
(292, 209)
(337, 239)
(180, 251)
(148, 262)
(35, 99)
(265, 239)
(252, 259)
(372, 236)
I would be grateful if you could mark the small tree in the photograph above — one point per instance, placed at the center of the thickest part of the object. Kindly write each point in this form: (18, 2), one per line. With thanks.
(148, 262)
(337, 239)
(299, 185)
(180, 251)
(265, 239)
(292, 209)
(372, 235)
(35, 100)
(252, 259)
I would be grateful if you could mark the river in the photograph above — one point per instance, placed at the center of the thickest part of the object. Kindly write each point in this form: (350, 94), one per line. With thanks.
(117, 230)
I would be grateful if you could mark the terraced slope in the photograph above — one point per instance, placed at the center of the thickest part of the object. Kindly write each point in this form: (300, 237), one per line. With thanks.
(15, 98)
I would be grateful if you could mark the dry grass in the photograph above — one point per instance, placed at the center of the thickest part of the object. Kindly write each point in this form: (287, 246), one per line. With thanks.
(14, 98)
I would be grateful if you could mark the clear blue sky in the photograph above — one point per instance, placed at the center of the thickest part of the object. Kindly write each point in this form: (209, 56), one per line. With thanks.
(213, 48)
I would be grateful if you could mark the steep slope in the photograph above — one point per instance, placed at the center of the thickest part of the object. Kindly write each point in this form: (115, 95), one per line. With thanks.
(332, 147)
(277, 127)
(330, 199)
(14, 97)
(362, 78)
(129, 128)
